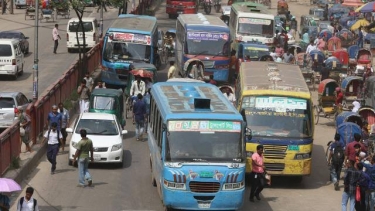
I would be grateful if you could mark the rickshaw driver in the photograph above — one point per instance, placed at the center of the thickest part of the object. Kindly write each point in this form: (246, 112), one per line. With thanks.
(169, 41)
(339, 96)
(138, 87)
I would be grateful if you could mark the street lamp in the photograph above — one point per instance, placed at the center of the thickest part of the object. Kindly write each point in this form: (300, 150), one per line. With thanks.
(36, 60)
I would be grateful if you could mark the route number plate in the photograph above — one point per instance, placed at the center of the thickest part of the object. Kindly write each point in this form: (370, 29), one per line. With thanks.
(97, 157)
(293, 147)
(204, 205)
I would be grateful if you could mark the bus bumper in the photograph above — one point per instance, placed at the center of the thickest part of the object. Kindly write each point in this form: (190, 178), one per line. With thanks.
(219, 75)
(285, 167)
(186, 200)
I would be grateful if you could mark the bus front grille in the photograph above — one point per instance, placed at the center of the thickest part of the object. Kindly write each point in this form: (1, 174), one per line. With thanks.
(274, 166)
(274, 152)
(204, 187)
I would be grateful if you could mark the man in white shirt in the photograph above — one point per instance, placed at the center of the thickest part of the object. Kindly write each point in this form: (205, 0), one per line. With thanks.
(138, 87)
(171, 70)
(100, 85)
(54, 138)
(311, 47)
(230, 96)
(55, 37)
(28, 203)
(89, 81)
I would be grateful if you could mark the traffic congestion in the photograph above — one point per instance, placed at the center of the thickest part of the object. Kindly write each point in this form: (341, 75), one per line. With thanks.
(249, 94)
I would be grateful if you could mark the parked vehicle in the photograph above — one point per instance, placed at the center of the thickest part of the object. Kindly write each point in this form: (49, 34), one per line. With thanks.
(318, 13)
(326, 100)
(348, 116)
(353, 51)
(351, 88)
(23, 40)
(110, 101)
(177, 7)
(20, 3)
(11, 58)
(225, 14)
(9, 102)
(106, 134)
(363, 58)
(343, 56)
(74, 33)
(368, 114)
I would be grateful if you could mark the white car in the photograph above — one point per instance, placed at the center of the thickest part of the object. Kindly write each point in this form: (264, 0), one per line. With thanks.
(105, 133)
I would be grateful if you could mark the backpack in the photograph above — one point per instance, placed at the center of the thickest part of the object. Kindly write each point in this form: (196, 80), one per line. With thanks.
(338, 155)
(22, 199)
(58, 135)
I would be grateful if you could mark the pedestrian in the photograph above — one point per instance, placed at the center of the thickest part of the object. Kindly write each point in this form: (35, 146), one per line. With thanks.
(350, 151)
(370, 196)
(27, 202)
(310, 47)
(55, 37)
(101, 3)
(65, 118)
(147, 99)
(54, 116)
(363, 184)
(171, 70)
(227, 92)
(350, 183)
(288, 57)
(139, 113)
(89, 81)
(84, 95)
(4, 7)
(54, 140)
(100, 85)
(84, 149)
(360, 37)
(335, 160)
(25, 122)
(4, 202)
(257, 174)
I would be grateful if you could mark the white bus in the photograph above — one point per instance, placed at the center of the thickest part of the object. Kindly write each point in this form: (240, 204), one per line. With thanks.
(251, 22)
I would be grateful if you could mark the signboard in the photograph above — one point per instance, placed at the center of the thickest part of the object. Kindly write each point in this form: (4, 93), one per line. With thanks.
(134, 38)
(255, 21)
(207, 36)
(280, 104)
(204, 126)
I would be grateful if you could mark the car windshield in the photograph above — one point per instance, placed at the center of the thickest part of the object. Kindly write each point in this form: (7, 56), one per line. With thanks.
(207, 43)
(6, 102)
(255, 53)
(274, 116)
(126, 51)
(255, 26)
(201, 141)
(98, 127)
(9, 35)
(5, 50)
(103, 103)
(87, 26)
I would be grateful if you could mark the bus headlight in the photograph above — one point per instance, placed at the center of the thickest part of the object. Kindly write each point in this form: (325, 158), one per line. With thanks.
(302, 156)
(233, 186)
(249, 154)
(174, 185)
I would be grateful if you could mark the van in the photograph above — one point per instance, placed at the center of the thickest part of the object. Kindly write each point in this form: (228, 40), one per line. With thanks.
(11, 58)
(9, 102)
(20, 4)
(90, 26)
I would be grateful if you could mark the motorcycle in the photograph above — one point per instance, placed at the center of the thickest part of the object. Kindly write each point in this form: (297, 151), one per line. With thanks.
(217, 5)
(207, 6)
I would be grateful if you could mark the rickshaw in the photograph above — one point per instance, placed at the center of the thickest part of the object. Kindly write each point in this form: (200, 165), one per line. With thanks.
(333, 44)
(225, 10)
(364, 58)
(30, 12)
(327, 34)
(347, 38)
(343, 56)
(63, 11)
(47, 14)
(303, 60)
(169, 44)
(148, 76)
(353, 51)
(348, 116)
(282, 7)
(317, 58)
(351, 87)
(188, 67)
(334, 65)
(326, 100)
(368, 114)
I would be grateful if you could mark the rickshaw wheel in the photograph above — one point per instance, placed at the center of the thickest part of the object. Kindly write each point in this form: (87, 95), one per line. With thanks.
(316, 114)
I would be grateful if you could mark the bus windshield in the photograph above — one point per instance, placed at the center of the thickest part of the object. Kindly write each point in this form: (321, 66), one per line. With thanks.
(255, 26)
(255, 53)
(207, 43)
(126, 51)
(274, 116)
(201, 141)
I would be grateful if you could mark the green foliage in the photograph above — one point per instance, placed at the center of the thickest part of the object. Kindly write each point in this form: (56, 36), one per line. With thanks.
(68, 103)
(15, 163)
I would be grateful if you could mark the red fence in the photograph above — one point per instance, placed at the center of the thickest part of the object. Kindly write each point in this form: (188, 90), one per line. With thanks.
(38, 111)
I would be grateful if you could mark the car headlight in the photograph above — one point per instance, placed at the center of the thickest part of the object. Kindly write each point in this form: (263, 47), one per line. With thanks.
(116, 147)
(302, 156)
(249, 154)
(74, 144)
(174, 185)
(233, 186)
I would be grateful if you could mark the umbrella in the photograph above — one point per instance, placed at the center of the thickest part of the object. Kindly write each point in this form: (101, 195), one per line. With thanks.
(9, 185)
(359, 23)
(369, 7)
(143, 73)
(352, 3)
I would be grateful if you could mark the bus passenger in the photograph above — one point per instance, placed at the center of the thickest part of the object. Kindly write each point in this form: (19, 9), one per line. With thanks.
(229, 95)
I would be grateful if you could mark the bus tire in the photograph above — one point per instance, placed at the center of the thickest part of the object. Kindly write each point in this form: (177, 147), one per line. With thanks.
(153, 181)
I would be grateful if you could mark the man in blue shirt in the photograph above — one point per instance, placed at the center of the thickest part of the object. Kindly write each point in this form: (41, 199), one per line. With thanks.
(370, 170)
(336, 159)
(54, 116)
(139, 110)
(360, 37)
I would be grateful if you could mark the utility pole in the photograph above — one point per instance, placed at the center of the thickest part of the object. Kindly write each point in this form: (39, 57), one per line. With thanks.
(101, 18)
(11, 7)
(36, 60)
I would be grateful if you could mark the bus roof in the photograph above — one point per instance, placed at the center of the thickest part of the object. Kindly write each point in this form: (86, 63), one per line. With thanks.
(134, 23)
(191, 20)
(273, 78)
(249, 7)
(176, 101)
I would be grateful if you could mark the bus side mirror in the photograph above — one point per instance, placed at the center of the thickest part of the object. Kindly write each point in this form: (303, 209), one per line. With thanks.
(243, 114)
(249, 133)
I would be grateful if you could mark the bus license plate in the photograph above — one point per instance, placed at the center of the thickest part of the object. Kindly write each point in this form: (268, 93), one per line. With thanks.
(97, 157)
(204, 205)
(293, 147)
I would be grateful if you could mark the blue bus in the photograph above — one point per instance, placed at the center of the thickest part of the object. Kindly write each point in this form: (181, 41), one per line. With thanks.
(206, 38)
(130, 39)
(196, 140)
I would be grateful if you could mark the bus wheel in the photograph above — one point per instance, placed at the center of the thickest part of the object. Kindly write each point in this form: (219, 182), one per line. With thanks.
(153, 181)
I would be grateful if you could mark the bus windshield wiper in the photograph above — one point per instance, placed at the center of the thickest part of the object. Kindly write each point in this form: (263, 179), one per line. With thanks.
(200, 53)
